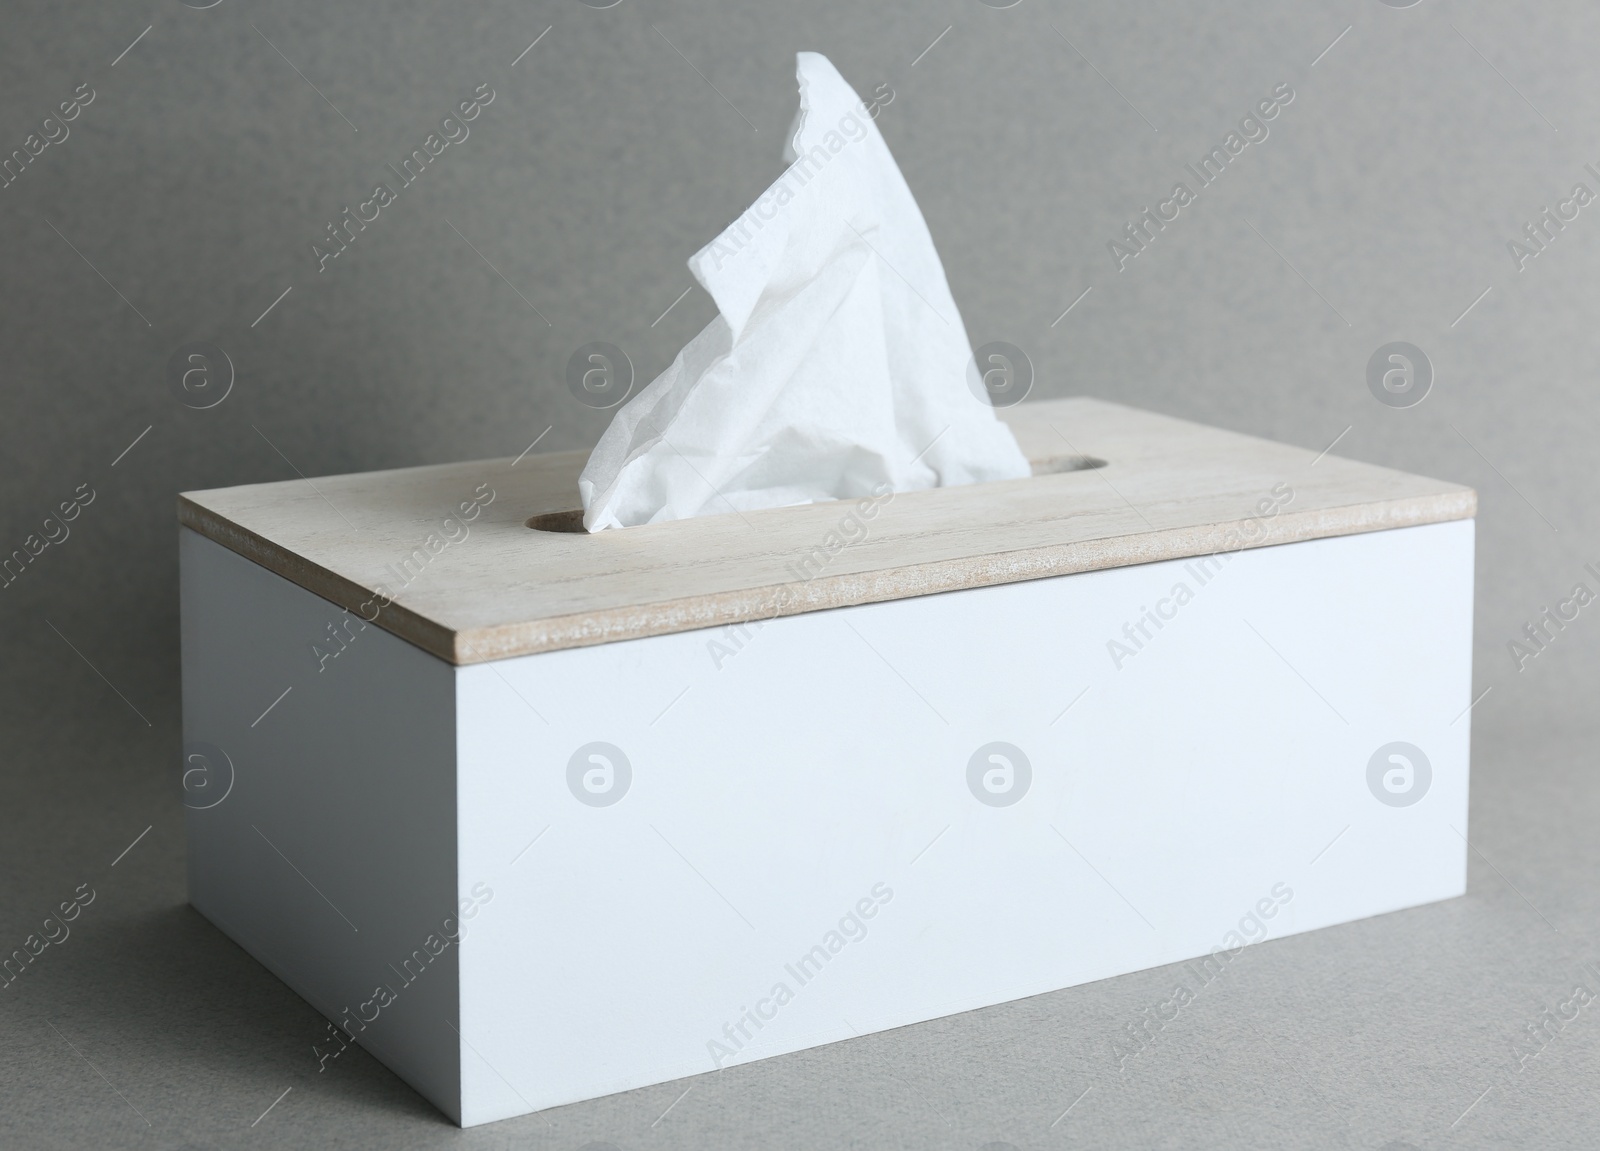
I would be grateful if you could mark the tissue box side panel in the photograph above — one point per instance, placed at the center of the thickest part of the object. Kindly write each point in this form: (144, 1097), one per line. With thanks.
(809, 838)
(321, 829)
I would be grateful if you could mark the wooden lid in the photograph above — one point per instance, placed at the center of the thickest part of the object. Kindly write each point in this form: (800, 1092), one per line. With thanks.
(470, 581)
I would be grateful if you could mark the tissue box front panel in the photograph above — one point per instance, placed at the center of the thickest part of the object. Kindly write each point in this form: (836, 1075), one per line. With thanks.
(721, 845)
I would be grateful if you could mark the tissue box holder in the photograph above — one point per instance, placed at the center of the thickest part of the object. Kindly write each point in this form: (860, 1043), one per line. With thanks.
(576, 814)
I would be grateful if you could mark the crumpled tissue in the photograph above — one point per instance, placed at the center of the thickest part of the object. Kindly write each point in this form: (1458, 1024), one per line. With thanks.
(838, 366)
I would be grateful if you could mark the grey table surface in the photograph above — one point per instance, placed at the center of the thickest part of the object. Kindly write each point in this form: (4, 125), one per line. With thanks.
(1424, 140)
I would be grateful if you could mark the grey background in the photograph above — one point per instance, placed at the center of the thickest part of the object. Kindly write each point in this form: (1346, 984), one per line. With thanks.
(1379, 209)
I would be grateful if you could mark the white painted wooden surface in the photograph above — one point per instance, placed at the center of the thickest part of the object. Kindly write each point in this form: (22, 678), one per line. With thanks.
(331, 852)
(829, 755)
(774, 788)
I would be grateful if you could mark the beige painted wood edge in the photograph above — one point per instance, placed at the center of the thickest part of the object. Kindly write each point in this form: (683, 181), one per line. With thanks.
(481, 645)
(431, 637)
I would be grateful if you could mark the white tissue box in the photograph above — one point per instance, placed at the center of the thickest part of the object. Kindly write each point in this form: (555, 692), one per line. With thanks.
(581, 813)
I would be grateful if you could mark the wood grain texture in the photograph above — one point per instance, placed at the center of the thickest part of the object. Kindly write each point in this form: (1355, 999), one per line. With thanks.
(385, 545)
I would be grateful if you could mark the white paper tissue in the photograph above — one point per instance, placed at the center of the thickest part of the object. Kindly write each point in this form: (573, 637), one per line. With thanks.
(838, 364)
